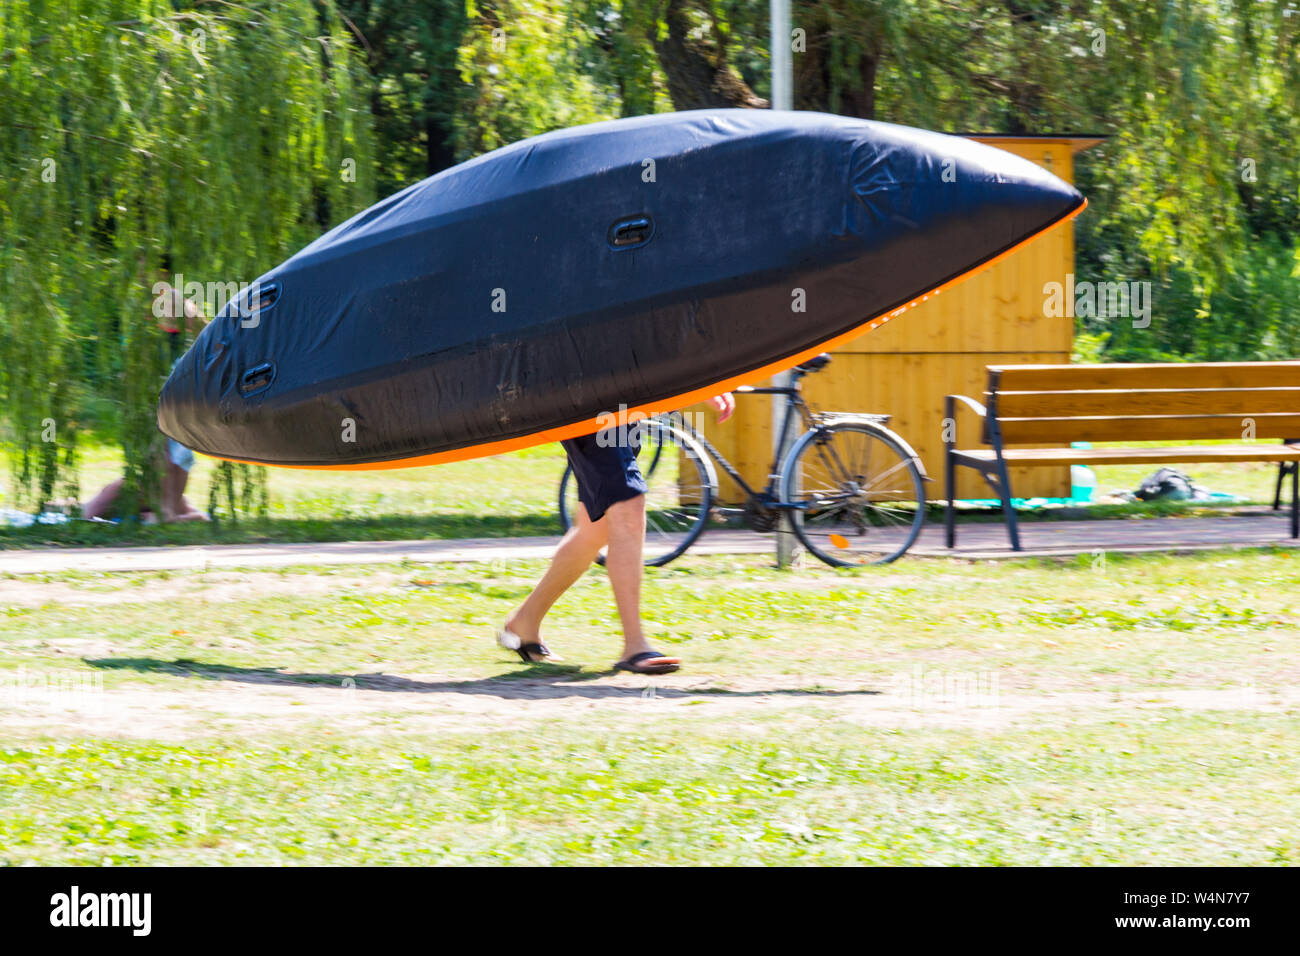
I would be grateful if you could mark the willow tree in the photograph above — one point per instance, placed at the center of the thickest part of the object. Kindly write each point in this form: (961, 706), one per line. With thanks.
(411, 49)
(524, 69)
(142, 137)
(1197, 189)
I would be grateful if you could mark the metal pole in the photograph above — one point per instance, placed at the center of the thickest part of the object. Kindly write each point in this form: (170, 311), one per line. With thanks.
(782, 99)
(782, 68)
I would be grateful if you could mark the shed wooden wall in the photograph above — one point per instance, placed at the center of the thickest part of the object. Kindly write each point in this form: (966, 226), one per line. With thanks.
(907, 366)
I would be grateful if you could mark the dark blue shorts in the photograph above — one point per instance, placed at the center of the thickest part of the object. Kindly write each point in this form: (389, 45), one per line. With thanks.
(606, 474)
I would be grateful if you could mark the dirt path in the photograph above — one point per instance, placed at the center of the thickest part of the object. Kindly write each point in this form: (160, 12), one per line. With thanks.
(323, 553)
(1251, 526)
(262, 705)
(384, 704)
(214, 586)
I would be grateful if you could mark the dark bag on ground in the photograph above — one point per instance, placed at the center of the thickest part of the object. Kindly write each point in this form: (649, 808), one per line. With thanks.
(1169, 484)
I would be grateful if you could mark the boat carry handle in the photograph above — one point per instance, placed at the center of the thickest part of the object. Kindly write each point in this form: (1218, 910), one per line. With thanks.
(632, 232)
(257, 378)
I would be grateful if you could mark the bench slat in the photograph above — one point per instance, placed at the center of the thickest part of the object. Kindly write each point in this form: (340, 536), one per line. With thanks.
(1116, 403)
(1136, 456)
(1037, 378)
(1024, 431)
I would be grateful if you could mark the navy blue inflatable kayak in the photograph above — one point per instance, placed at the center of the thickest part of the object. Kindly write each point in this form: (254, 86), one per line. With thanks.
(642, 264)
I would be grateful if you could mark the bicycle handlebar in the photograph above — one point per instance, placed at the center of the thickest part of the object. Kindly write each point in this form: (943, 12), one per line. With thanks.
(767, 390)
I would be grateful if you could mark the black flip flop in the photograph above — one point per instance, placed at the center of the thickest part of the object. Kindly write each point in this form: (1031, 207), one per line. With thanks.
(510, 641)
(526, 652)
(634, 664)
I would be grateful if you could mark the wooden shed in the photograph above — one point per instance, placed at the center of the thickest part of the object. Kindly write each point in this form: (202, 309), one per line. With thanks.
(906, 367)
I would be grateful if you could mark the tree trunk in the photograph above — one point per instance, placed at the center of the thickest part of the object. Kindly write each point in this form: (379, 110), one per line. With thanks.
(699, 76)
(860, 99)
(439, 148)
(816, 88)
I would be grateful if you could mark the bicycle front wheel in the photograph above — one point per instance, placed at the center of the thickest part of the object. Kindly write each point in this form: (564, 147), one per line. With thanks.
(681, 489)
(858, 494)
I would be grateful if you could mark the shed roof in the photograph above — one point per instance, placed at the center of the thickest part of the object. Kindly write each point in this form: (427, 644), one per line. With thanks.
(1078, 141)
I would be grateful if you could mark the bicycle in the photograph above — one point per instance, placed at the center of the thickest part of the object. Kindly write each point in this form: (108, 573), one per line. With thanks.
(853, 489)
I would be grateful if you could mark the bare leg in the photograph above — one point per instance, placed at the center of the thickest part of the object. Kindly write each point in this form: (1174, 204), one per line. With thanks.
(100, 505)
(624, 563)
(577, 549)
(192, 513)
(174, 505)
(170, 490)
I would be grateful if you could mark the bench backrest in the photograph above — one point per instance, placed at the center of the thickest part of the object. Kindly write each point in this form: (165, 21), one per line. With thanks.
(1036, 404)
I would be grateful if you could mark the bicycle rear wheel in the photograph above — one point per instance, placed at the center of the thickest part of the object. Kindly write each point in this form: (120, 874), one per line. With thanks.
(859, 492)
(681, 489)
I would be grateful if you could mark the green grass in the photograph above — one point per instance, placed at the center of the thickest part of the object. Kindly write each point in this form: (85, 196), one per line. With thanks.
(685, 794)
(1142, 711)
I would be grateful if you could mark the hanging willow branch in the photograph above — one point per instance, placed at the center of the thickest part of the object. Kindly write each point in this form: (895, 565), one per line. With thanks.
(130, 150)
(237, 489)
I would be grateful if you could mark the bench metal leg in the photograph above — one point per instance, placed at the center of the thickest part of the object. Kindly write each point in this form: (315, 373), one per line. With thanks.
(1004, 492)
(1000, 482)
(1284, 468)
(1295, 501)
(1013, 529)
(950, 512)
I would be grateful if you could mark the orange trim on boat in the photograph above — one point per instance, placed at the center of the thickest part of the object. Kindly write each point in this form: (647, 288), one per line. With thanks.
(612, 419)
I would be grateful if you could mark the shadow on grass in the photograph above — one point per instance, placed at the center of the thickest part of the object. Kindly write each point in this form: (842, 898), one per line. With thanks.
(537, 682)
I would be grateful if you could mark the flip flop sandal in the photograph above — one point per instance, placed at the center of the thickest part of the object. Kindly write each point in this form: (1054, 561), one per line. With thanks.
(532, 653)
(637, 663)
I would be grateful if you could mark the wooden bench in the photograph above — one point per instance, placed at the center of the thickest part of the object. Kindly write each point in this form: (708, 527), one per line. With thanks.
(1060, 404)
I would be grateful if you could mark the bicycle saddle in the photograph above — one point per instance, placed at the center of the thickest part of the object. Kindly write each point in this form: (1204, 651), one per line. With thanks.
(815, 364)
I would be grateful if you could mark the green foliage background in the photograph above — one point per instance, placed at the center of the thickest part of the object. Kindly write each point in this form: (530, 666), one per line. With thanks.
(210, 138)
(140, 138)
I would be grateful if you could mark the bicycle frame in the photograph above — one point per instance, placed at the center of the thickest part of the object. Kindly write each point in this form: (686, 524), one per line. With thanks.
(794, 405)
(760, 507)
